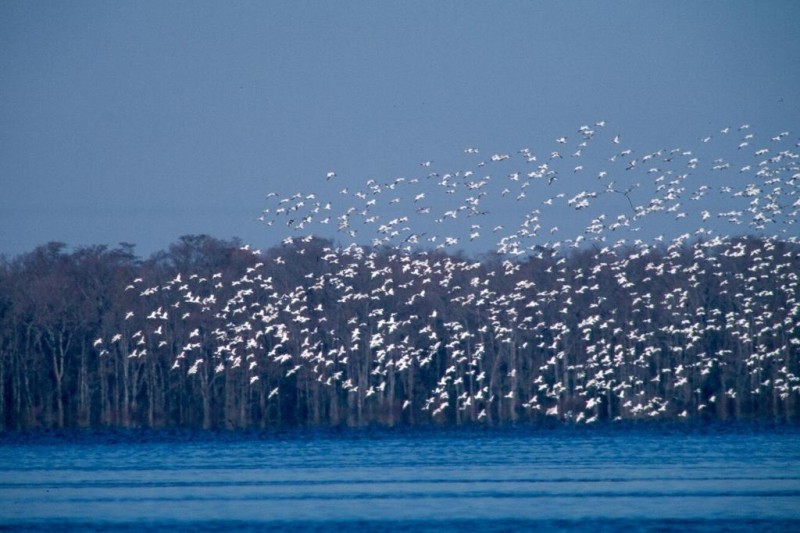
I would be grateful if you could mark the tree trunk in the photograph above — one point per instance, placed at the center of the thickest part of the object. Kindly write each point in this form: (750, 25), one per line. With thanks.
(58, 372)
(84, 418)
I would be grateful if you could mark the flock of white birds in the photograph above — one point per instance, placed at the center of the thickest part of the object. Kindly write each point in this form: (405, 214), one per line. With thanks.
(517, 201)
(563, 349)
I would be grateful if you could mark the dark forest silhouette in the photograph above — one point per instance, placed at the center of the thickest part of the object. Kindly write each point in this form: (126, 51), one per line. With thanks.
(212, 334)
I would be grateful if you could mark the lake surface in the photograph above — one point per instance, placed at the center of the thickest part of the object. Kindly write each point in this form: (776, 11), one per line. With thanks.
(496, 480)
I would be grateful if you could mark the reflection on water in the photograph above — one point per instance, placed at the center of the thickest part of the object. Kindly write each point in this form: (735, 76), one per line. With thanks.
(501, 480)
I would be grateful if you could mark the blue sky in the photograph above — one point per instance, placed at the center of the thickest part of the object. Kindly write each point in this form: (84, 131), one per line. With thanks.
(144, 121)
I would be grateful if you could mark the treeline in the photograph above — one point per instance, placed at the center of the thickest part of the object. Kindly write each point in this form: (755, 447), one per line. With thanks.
(212, 334)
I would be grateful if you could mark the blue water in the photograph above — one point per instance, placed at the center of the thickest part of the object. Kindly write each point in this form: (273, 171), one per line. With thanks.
(553, 479)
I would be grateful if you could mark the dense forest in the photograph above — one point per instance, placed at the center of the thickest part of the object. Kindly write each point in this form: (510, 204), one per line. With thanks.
(212, 334)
